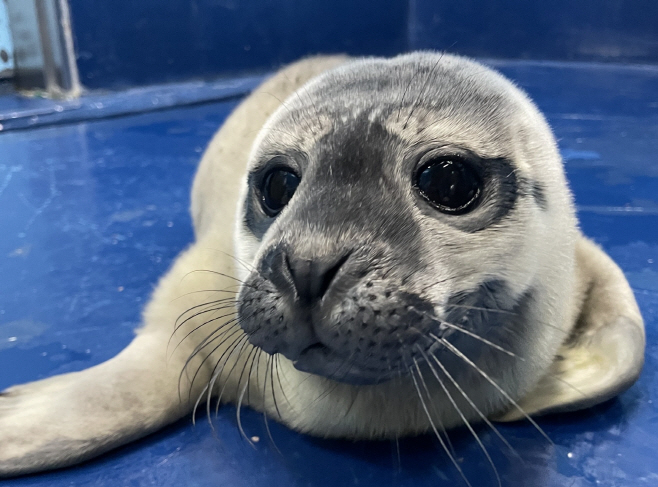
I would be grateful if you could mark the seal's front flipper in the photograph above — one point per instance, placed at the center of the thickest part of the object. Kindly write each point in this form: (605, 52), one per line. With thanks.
(604, 354)
(70, 418)
(73, 417)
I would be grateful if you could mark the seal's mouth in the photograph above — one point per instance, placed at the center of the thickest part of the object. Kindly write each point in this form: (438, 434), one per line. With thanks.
(319, 359)
(316, 346)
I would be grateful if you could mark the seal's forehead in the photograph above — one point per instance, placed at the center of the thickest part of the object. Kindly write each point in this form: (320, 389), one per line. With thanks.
(418, 98)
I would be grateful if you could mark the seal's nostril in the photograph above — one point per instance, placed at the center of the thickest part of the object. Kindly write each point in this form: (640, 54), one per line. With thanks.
(313, 277)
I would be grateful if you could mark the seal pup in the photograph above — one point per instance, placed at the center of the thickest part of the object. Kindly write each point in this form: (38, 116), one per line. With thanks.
(383, 247)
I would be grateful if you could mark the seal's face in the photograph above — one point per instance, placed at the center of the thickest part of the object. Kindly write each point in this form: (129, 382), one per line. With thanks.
(391, 205)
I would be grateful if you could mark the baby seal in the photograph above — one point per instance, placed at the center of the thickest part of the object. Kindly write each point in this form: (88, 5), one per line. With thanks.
(384, 247)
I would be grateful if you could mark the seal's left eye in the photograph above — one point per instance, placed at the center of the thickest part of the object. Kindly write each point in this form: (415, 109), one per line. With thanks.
(278, 186)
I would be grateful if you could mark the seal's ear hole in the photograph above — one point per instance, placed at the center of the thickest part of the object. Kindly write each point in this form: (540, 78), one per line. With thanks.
(450, 184)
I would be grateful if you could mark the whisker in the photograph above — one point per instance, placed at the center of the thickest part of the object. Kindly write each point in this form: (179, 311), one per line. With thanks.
(278, 378)
(230, 372)
(271, 363)
(239, 261)
(215, 374)
(460, 413)
(250, 354)
(215, 272)
(193, 379)
(237, 413)
(197, 328)
(254, 361)
(202, 312)
(331, 377)
(255, 352)
(209, 386)
(436, 432)
(404, 94)
(205, 303)
(436, 413)
(479, 308)
(291, 112)
(457, 277)
(267, 424)
(204, 291)
(332, 387)
(334, 384)
(571, 386)
(203, 344)
(422, 90)
(472, 404)
(355, 395)
(498, 347)
(483, 340)
(461, 355)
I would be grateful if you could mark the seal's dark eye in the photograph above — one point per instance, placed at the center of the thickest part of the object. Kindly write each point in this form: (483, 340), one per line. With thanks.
(277, 189)
(450, 184)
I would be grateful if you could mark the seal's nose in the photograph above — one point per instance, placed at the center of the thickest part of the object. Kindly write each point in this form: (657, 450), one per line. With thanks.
(313, 277)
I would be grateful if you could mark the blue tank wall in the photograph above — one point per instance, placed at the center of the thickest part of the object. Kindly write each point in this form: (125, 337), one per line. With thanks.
(582, 30)
(128, 42)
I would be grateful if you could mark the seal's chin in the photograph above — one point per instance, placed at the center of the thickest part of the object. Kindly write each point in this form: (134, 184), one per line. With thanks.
(318, 359)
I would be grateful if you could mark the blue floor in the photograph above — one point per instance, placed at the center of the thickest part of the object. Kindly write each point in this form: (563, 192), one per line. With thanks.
(92, 213)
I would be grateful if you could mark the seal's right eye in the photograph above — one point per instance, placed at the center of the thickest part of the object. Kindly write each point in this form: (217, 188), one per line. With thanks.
(277, 188)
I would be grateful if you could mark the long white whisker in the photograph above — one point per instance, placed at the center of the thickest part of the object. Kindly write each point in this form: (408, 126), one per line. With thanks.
(244, 342)
(237, 413)
(479, 308)
(461, 414)
(438, 416)
(268, 368)
(217, 302)
(472, 404)
(249, 268)
(228, 291)
(458, 352)
(169, 356)
(278, 378)
(207, 389)
(204, 344)
(272, 362)
(214, 272)
(483, 340)
(209, 310)
(436, 432)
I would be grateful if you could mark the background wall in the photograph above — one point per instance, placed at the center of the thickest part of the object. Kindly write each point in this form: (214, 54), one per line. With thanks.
(6, 46)
(127, 43)
(570, 30)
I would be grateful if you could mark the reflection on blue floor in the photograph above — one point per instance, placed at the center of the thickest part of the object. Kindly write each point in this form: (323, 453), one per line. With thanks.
(93, 213)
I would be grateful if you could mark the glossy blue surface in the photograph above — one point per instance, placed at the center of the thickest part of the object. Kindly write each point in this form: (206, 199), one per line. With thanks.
(93, 213)
(19, 112)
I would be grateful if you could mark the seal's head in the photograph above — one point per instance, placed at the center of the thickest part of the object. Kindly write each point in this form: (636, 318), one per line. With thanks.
(404, 214)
